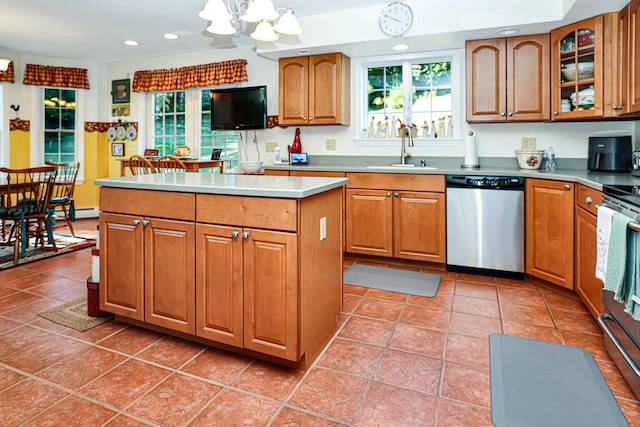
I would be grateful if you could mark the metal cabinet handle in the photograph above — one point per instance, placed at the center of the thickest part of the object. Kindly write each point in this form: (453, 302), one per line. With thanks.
(616, 107)
(588, 199)
(245, 234)
(502, 114)
(136, 221)
(395, 194)
(388, 194)
(567, 187)
(145, 222)
(234, 234)
(304, 118)
(555, 113)
(510, 113)
(310, 118)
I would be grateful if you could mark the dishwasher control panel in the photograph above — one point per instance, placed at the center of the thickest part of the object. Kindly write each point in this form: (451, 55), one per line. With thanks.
(495, 182)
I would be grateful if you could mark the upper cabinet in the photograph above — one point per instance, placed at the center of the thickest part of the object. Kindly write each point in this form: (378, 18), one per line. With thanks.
(633, 55)
(314, 90)
(508, 79)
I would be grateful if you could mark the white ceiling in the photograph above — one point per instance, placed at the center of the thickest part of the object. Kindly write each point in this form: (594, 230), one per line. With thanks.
(95, 29)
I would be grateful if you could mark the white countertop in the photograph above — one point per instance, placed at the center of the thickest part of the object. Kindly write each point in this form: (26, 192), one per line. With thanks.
(227, 184)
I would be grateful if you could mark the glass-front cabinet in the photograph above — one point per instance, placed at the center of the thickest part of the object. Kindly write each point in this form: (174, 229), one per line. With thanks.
(577, 70)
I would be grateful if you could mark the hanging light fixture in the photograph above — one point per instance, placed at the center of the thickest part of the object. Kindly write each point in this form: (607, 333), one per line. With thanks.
(222, 16)
(4, 64)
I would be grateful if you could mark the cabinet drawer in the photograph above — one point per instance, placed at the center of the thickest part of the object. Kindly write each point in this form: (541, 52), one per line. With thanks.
(584, 194)
(382, 181)
(318, 173)
(160, 204)
(258, 212)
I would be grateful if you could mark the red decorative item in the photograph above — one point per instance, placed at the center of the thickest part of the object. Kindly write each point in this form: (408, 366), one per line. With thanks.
(297, 145)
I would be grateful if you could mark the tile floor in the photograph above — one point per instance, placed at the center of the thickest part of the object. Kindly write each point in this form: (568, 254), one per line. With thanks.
(396, 360)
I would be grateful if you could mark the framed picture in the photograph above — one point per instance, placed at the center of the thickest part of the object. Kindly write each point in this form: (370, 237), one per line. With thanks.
(150, 152)
(117, 149)
(121, 91)
(121, 110)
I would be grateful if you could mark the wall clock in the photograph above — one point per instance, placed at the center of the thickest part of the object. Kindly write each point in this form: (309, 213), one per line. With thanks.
(396, 19)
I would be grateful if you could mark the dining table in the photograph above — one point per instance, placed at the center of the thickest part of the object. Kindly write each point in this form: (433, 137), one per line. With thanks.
(193, 165)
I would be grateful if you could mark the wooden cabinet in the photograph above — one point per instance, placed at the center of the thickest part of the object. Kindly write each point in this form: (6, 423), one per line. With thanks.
(508, 79)
(314, 90)
(154, 280)
(549, 231)
(633, 55)
(588, 287)
(401, 216)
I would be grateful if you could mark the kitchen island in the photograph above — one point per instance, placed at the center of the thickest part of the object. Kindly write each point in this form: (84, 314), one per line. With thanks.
(247, 263)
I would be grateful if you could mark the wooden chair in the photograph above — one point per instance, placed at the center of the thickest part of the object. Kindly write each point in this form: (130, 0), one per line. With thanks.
(63, 188)
(140, 166)
(25, 205)
(170, 164)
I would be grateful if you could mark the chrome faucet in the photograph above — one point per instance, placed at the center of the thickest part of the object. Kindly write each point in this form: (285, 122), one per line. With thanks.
(403, 153)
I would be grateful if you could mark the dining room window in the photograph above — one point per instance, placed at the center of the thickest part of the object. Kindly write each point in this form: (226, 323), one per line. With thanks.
(227, 141)
(59, 125)
(168, 121)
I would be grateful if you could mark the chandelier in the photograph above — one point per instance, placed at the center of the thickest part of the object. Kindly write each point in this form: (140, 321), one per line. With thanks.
(262, 12)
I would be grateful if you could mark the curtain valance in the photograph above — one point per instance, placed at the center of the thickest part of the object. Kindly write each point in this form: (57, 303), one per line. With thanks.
(44, 75)
(216, 73)
(9, 75)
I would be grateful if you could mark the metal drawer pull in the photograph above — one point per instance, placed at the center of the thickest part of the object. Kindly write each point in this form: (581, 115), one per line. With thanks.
(245, 234)
(136, 221)
(567, 187)
(145, 222)
(615, 341)
(588, 199)
(234, 234)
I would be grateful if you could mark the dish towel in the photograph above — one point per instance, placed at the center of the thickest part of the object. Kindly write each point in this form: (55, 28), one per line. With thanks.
(633, 274)
(603, 234)
(617, 258)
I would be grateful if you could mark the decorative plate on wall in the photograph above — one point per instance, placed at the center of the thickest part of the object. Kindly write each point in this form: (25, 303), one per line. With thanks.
(111, 134)
(131, 133)
(121, 133)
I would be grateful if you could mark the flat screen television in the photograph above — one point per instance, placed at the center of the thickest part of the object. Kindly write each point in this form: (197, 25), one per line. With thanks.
(239, 108)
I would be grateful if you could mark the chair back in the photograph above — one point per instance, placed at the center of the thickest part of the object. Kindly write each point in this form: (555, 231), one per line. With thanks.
(170, 164)
(28, 191)
(140, 166)
(65, 182)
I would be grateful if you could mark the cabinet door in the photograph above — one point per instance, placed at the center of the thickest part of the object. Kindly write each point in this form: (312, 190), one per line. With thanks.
(588, 287)
(486, 80)
(271, 321)
(419, 226)
(293, 94)
(577, 70)
(369, 226)
(169, 251)
(122, 265)
(219, 278)
(528, 78)
(325, 89)
(549, 231)
(634, 56)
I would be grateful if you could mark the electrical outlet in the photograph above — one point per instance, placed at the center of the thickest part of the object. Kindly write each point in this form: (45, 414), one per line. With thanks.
(323, 228)
(331, 144)
(271, 147)
(528, 143)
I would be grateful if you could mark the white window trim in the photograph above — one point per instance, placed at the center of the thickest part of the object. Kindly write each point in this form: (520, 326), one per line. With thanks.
(359, 89)
(191, 119)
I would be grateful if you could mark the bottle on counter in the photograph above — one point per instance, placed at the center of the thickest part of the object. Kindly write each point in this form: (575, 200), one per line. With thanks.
(551, 160)
(277, 153)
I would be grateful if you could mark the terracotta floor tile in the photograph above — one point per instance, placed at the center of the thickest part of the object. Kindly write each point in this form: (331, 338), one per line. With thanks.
(131, 340)
(230, 407)
(349, 303)
(84, 366)
(7, 325)
(468, 350)
(580, 322)
(43, 354)
(426, 317)
(518, 284)
(29, 281)
(631, 411)
(330, 393)
(526, 314)
(476, 290)
(72, 412)
(65, 289)
(11, 274)
(477, 306)
(29, 313)
(440, 301)
(390, 406)
(534, 332)
(19, 338)
(555, 300)
(289, 417)
(594, 344)
(171, 352)
(354, 290)
(388, 296)
(351, 357)
(217, 365)
(7, 291)
(474, 326)
(447, 286)
(25, 400)
(15, 300)
(455, 414)
(9, 378)
(99, 332)
(379, 309)
(414, 339)
(615, 380)
(125, 421)
(521, 296)
(468, 384)
(174, 401)
(366, 330)
(267, 379)
(124, 384)
(472, 278)
(411, 371)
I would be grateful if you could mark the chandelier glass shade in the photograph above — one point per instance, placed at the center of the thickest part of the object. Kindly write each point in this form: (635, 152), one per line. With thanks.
(224, 13)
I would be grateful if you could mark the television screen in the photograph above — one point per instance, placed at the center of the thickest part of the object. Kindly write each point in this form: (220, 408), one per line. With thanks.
(239, 108)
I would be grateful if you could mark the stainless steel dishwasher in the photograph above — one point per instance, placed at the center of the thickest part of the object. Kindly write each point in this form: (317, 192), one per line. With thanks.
(485, 225)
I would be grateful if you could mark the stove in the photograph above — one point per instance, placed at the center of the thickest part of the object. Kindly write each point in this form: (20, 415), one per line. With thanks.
(627, 193)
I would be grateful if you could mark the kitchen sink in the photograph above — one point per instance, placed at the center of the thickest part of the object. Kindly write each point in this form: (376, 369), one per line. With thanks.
(399, 166)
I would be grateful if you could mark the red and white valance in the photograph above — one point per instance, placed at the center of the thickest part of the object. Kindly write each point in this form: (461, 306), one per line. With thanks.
(9, 75)
(44, 75)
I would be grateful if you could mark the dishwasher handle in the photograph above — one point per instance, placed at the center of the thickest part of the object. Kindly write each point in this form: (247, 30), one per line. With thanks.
(486, 182)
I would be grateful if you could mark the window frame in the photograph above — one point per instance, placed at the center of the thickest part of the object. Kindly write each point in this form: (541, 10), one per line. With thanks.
(360, 90)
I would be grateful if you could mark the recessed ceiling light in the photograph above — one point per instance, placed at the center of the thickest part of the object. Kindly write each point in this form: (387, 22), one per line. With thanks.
(400, 47)
(170, 36)
(131, 43)
(303, 52)
(508, 31)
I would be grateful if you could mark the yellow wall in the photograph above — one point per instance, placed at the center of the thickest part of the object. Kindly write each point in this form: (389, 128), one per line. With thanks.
(19, 149)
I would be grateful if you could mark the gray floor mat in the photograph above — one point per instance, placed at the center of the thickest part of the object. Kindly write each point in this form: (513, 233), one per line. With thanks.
(392, 279)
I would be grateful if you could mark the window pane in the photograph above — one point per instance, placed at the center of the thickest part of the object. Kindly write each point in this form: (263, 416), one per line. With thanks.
(393, 76)
(59, 123)
(51, 118)
(68, 118)
(66, 143)
(50, 142)
(180, 121)
(376, 78)
(179, 102)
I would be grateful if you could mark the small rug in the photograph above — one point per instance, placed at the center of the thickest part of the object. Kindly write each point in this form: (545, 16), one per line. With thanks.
(74, 315)
(392, 279)
(536, 383)
(64, 243)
